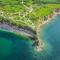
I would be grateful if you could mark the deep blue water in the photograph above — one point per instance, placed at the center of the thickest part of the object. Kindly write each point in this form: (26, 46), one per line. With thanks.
(14, 47)
(51, 34)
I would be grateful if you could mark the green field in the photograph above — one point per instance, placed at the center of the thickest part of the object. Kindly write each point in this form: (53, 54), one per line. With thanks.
(25, 12)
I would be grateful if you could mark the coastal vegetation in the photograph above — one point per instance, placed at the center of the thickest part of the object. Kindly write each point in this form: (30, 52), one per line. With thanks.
(27, 13)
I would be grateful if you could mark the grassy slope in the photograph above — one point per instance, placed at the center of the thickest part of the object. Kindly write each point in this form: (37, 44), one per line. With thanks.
(27, 14)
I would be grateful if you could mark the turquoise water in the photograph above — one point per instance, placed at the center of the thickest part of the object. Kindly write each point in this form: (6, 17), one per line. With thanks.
(14, 47)
(17, 47)
(51, 34)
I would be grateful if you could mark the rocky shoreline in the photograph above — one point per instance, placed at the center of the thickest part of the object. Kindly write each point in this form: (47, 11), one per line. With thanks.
(39, 43)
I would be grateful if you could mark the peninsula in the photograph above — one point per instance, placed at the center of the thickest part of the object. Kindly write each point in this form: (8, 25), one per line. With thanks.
(27, 17)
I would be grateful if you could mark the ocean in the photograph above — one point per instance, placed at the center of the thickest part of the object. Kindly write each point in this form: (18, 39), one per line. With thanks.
(14, 47)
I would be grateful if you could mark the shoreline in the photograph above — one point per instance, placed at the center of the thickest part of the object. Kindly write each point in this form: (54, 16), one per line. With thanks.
(49, 19)
(29, 32)
(40, 46)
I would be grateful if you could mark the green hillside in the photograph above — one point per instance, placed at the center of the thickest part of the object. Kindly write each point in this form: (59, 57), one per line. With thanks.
(25, 12)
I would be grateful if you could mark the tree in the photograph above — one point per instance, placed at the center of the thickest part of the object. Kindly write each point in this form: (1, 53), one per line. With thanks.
(58, 1)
